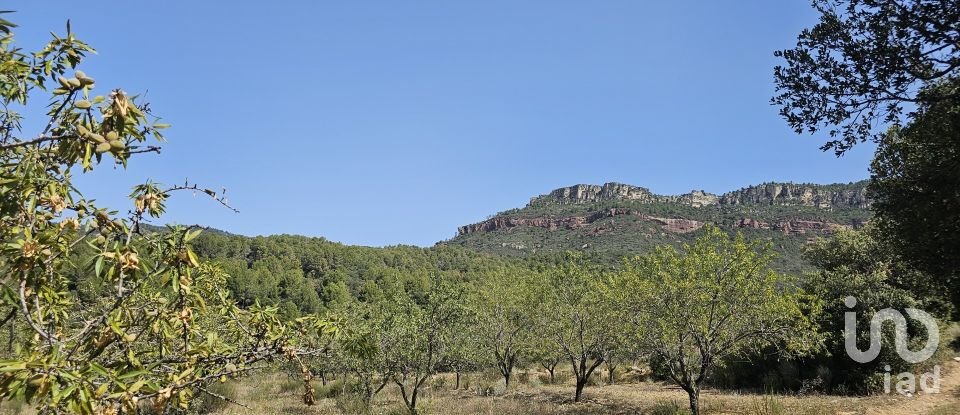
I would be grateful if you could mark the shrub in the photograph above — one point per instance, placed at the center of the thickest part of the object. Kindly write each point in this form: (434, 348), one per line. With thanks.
(487, 387)
(332, 389)
(771, 381)
(768, 405)
(291, 385)
(352, 404)
(206, 403)
(668, 408)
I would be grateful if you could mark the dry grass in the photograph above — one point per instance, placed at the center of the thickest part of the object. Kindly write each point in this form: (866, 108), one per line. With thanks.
(264, 397)
(275, 394)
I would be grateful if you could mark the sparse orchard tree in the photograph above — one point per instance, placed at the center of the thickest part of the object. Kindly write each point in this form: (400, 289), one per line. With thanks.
(619, 349)
(417, 333)
(549, 361)
(464, 349)
(503, 303)
(576, 318)
(710, 301)
(164, 327)
(543, 351)
(361, 348)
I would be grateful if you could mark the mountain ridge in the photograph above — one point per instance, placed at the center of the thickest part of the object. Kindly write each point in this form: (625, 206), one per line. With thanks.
(806, 193)
(619, 219)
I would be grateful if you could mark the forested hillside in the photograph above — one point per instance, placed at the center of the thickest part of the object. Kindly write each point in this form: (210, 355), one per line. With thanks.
(306, 275)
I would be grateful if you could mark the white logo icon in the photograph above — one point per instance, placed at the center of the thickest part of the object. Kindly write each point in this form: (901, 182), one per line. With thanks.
(900, 335)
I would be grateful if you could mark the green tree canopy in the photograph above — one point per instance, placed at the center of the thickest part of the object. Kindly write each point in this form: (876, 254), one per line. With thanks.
(162, 326)
(864, 63)
(915, 185)
(716, 299)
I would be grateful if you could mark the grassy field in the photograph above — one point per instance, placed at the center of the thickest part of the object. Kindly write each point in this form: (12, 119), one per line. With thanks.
(276, 394)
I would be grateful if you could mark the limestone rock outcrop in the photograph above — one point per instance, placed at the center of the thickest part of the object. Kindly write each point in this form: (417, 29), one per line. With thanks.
(499, 223)
(823, 196)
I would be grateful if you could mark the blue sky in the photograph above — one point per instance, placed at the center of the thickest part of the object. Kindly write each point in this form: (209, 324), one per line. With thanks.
(380, 123)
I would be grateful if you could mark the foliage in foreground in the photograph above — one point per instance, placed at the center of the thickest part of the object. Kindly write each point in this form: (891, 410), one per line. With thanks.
(162, 327)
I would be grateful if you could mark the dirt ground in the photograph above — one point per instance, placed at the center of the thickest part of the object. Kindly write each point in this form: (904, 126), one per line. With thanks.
(266, 398)
(275, 394)
(943, 403)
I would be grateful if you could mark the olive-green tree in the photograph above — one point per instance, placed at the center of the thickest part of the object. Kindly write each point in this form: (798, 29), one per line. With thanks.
(576, 317)
(464, 351)
(417, 333)
(360, 347)
(164, 326)
(504, 302)
(712, 300)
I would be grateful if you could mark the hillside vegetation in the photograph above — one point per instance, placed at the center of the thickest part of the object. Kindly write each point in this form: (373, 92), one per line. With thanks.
(616, 220)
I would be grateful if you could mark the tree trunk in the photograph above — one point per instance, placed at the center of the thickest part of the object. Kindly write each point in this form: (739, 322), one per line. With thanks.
(694, 393)
(457, 385)
(581, 382)
(323, 378)
(413, 401)
(611, 370)
(506, 369)
(550, 369)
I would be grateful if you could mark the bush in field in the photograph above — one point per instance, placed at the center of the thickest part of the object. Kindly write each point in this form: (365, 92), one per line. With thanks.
(854, 263)
(163, 328)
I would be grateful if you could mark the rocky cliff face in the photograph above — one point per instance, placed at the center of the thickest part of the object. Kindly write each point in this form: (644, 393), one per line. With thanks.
(854, 195)
(829, 196)
(499, 223)
(587, 193)
(616, 220)
(797, 227)
(817, 200)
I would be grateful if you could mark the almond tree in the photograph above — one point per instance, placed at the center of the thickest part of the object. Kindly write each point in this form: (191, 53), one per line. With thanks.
(165, 327)
(577, 317)
(710, 301)
(503, 303)
(417, 333)
(361, 348)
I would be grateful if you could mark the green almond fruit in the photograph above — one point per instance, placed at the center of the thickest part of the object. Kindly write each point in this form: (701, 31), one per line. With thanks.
(103, 148)
(97, 137)
(117, 145)
(113, 136)
(82, 104)
(64, 82)
(74, 82)
(80, 74)
(86, 81)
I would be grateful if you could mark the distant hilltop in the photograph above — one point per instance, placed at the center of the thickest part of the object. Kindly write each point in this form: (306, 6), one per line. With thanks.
(616, 220)
(823, 196)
